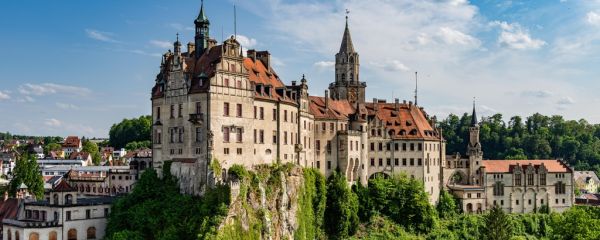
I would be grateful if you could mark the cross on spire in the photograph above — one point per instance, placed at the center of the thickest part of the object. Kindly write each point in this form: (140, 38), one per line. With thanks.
(347, 12)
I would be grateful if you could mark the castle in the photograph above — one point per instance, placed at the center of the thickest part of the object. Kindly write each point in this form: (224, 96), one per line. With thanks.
(214, 106)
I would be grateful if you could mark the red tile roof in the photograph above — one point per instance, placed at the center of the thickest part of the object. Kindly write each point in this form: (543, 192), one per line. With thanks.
(507, 166)
(72, 141)
(338, 109)
(408, 122)
(63, 186)
(80, 155)
(9, 208)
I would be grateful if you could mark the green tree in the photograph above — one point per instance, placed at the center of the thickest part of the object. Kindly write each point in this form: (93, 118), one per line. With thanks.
(446, 206)
(341, 212)
(137, 145)
(27, 171)
(497, 224)
(92, 148)
(52, 147)
(130, 130)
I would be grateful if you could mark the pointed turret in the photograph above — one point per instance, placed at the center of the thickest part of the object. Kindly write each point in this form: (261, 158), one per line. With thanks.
(202, 32)
(347, 46)
(474, 121)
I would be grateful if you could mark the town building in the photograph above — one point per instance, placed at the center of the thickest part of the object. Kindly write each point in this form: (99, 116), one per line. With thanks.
(587, 181)
(214, 104)
(63, 214)
(71, 144)
(96, 180)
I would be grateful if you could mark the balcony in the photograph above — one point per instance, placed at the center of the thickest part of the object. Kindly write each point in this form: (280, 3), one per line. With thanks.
(196, 118)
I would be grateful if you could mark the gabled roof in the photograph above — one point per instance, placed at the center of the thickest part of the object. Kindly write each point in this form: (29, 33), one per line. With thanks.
(407, 121)
(508, 166)
(337, 109)
(63, 186)
(79, 155)
(9, 208)
(72, 141)
(585, 176)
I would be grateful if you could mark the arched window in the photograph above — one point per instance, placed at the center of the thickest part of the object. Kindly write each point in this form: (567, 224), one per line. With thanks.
(68, 199)
(343, 77)
(91, 233)
(34, 236)
(9, 234)
(55, 198)
(17, 236)
(351, 59)
(72, 234)
(52, 236)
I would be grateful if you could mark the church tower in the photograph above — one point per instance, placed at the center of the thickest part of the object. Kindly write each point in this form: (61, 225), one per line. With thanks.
(202, 36)
(474, 148)
(347, 85)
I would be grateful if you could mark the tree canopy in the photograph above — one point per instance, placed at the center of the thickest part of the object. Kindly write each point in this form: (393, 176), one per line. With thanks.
(27, 171)
(130, 130)
(341, 211)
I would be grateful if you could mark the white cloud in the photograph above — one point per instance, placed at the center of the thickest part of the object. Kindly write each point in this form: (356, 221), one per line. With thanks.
(514, 36)
(593, 18)
(246, 42)
(322, 65)
(455, 37)
(100, 36)
(66, 106)
(391, 66)
(52, 88)
(4, 96)
(566, 101)
(161, 44)
(53, 122)
(537, 94)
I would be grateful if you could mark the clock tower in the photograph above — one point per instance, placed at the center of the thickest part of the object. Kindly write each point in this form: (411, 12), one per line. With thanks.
(347, 85)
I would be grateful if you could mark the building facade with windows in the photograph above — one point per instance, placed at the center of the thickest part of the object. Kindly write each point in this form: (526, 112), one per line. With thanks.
(62, 215)
(214, 106)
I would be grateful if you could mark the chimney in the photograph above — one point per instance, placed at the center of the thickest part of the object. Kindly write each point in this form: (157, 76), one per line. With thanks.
(251, 54)
(410, 104)
(397, 104)
(265, 58)
(326, 99)
(191, 47)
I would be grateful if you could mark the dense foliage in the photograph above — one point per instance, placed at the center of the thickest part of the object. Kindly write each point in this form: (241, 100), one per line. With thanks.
(130, 130)
(27, 171)
(341, 211)
(536, 137)
(311, 206)
(37, 139)
(156, 210)
(497, 224)
(401, 199)
(446, 206)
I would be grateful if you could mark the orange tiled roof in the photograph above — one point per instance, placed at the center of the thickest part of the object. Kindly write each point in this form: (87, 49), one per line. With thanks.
(507, 166)
(9, 208)
(83, 155)
(63, 186)
(338, 109)
(409, 122)
(72, 141)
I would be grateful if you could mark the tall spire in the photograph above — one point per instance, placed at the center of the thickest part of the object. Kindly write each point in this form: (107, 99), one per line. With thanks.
(474, 115)
(201, 17)
(347, 46)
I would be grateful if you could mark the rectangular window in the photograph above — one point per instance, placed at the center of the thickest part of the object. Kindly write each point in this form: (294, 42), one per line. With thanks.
(420, 162)
(239, 135)
(412, 161)
(226, 82)
(396, 146)
(158, 113)
(226, 151)
(68, 215)
(181, 134)
(198, 134)
(172, 111)
(542, 179)
(180, 110)
(331, 127)
(389, 146)
(226, 134)
(396, 162)
(404, 162)
(403, 146)
(388, 162)
(255, 112)
(285, 139)
(381, 162)
(239, 110)
(105, 212)
(255, 136)
(412, 146)
(88, 214)
(372, 147)
(226, 109)
(328, 146)
(198, 108)
(318, 145)
(328, 164)
(420, 147)
(239, 83)
(274, 137)
(530, 179)
(372, 162)
(380, 147)
(285, 115)
(323, 127)
(517, 179)
(262, 113)
(261, 136)
(239, 151)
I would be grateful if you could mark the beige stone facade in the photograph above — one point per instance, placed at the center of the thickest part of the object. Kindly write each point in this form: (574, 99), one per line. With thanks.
(215, 103)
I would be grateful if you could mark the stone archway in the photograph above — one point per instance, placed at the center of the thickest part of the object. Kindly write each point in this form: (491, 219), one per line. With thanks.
(457, 177)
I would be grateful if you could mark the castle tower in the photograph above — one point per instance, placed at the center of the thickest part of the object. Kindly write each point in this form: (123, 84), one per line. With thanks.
(474, 148)
(202, 32)
(347, 85)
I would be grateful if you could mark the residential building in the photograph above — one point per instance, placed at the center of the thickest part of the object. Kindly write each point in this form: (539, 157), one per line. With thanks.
(587, 181)
(71, 144)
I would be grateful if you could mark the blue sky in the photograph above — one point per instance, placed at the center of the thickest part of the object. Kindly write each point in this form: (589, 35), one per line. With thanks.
(76, 67)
